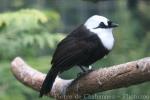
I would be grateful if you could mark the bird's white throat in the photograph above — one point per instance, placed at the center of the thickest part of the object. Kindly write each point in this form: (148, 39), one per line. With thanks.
(106, 37)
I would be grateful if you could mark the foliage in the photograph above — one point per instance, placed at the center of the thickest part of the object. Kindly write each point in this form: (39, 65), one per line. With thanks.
(25, 32)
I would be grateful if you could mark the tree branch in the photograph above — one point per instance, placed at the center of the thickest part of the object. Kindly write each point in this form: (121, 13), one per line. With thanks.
(103, 79)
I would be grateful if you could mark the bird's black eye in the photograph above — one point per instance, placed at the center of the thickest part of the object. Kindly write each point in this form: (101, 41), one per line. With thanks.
(101, 25)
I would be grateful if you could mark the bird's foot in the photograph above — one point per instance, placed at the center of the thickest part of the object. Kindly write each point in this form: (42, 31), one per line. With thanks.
(85, 70)
(84, 73)
(80, 74)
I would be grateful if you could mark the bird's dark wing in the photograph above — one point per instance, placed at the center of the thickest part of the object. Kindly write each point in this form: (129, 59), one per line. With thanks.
(72, 51)
(70, 42)
(69, 52)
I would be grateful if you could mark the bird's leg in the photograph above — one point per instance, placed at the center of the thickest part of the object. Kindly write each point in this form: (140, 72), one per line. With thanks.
(84, 70)
(88, 69)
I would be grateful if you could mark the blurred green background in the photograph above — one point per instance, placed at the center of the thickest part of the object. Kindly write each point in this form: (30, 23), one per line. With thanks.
(31, 29)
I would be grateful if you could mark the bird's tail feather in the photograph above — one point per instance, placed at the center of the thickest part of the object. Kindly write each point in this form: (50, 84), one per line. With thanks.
(49, 80)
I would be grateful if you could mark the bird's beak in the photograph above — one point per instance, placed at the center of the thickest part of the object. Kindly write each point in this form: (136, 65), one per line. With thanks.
(113, 25)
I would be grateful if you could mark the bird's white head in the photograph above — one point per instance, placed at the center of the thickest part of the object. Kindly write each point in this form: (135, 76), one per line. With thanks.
(103, 28)
(96, 22)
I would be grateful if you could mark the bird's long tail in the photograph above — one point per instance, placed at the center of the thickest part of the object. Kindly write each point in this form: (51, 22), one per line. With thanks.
(49, 80)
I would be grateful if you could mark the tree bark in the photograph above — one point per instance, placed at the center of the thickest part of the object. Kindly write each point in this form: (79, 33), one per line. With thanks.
(103, 79)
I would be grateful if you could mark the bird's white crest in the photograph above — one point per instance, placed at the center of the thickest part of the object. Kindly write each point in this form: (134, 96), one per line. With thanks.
(105, 34)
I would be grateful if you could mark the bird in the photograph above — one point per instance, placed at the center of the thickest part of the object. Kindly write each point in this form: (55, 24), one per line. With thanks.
(85, 45)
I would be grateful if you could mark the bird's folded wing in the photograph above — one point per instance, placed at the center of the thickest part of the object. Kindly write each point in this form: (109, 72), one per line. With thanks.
(70, 52)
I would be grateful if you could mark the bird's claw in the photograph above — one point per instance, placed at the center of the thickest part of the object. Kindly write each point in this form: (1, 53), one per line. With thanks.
(84, 73)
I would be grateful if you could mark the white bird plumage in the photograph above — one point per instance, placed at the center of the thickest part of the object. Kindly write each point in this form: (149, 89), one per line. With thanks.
(105, 34)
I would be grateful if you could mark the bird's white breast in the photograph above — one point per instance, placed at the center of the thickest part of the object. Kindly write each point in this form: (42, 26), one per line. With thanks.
(105, 36)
